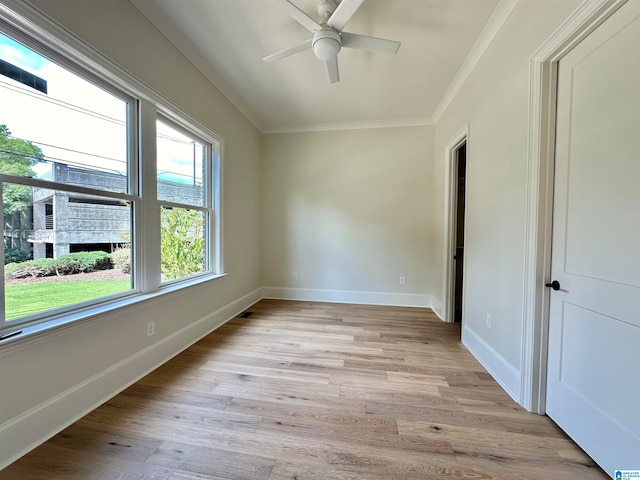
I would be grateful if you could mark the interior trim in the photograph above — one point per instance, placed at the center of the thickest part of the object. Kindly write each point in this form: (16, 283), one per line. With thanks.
(486, 37)
(347, 296)
(449, 227)
(540, 162)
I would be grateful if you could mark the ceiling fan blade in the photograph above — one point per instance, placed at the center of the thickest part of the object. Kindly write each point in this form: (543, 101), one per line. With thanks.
(353, 40)
(288, 51)
(299, 16)
(343, 14)
(332, 70)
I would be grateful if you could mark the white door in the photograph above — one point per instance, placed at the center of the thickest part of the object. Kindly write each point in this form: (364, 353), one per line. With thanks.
(593, 383)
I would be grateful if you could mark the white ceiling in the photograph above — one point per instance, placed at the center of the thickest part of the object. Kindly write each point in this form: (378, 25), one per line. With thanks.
(226, 40)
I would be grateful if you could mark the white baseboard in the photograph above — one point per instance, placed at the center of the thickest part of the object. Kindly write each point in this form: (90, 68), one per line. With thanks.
(438, 308)
(502, 371)
(346, 296)
(25, 432)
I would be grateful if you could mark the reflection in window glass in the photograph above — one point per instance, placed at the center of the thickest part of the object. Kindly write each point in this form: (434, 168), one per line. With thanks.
(181, 166)
(72, 123)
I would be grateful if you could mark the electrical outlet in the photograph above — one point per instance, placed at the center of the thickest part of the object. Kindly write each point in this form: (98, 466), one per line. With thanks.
(488, 321)
(294, 275)
(403, 280)
(151, 329)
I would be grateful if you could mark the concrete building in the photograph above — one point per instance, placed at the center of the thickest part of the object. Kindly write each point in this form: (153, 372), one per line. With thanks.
(60, 222)
(65, 223)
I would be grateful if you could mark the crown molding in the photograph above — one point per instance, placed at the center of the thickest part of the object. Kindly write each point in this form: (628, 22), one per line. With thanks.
(149, 9)
(494, 25)
(338, 126)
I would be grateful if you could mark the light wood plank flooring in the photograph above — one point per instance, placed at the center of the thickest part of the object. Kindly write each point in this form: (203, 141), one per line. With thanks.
(314, 391)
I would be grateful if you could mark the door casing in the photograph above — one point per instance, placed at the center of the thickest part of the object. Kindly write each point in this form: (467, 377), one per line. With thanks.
(540, 162)
(450, 216)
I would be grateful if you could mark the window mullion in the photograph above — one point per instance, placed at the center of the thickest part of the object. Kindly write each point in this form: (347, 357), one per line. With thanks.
(134, 188)
(147, 245)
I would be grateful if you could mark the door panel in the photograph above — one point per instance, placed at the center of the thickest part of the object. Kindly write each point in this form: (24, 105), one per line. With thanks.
(593, 383)
(586, 331)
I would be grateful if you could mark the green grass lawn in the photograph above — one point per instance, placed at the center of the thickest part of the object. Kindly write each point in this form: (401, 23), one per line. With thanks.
(28, 298)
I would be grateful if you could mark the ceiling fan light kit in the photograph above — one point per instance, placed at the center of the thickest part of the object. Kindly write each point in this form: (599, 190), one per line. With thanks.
(326, 44)
(328, 36)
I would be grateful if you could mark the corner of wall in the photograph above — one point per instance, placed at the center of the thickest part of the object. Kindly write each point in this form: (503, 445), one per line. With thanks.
(502, 371)
(438, 308)
(347, 296)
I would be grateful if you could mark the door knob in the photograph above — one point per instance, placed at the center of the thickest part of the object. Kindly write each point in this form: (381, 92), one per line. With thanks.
(555, 285)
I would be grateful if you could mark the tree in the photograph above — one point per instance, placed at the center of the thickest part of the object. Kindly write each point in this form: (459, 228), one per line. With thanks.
(17, 156)
(181, 242)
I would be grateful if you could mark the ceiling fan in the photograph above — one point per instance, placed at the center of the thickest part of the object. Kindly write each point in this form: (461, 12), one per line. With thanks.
(328, 35)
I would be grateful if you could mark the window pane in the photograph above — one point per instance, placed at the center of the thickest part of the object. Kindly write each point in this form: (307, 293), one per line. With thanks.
(57, 126)
(182, 242)
(181, 167)
(62, 248)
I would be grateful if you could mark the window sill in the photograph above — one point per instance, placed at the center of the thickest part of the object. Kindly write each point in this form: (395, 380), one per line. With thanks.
(83, 318)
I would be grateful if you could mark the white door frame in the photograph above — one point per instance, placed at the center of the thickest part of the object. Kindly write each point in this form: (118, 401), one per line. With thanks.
(543, 67)
(450, 218)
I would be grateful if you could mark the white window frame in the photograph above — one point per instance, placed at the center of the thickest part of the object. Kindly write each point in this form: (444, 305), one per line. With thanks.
(38, 32)
(211, 174)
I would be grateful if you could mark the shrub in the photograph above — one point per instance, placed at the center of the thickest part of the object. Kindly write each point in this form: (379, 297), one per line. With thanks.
(14, 255)
(42, 267)
(181, 242)
(70, 265)
(65, 265)
(80, 262)
(122, 259)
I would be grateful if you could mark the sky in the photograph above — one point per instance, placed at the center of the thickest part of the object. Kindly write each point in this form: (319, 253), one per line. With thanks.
(77, 122)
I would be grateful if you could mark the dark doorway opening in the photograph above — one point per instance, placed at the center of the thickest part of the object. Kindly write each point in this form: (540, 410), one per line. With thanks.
(460, 159)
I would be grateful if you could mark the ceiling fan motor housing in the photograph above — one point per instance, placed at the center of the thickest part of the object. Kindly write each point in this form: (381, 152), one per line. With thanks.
(326, 44)
(326, 8)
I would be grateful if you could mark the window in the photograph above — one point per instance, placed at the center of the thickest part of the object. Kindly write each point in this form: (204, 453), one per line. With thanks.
(75, 196)
(183, 161)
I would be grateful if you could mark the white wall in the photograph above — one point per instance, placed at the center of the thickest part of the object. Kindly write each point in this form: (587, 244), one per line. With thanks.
(494, 101)
(50, 380)
(350, 212)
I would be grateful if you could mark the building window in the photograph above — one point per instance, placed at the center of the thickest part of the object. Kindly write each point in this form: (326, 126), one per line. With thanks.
(70, 175)
(48, 216)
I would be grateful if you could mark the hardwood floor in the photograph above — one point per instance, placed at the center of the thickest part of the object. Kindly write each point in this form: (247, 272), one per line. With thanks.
(311, 391)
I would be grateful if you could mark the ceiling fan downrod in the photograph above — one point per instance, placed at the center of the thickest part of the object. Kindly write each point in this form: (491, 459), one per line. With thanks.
(326, 9)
